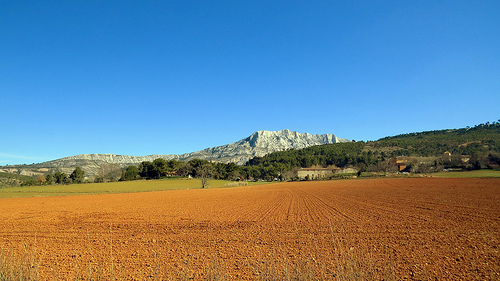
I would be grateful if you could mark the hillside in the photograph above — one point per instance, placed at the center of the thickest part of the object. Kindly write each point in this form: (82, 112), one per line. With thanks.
(258, 144)
(465, 141)
(467, 148)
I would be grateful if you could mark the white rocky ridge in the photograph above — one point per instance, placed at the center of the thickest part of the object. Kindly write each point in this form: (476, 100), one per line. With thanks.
(261, 143)
(258, 144)
(112, 158)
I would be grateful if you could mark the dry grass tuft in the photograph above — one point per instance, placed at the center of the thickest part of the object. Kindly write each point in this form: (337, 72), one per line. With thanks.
(284, 270)
(344, 259)
(18, 268)
(355, 262)
(235, 184)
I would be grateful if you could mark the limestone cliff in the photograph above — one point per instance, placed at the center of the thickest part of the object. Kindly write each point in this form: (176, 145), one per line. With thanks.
(258, 144)
(261, 143)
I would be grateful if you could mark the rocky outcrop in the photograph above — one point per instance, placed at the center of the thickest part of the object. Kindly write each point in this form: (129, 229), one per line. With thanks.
(261, 143)
(258, 144)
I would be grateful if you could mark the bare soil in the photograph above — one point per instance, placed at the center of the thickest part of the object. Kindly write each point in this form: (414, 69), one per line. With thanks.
(404, 229)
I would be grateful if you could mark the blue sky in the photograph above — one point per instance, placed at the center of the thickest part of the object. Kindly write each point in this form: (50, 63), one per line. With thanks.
(171, 77)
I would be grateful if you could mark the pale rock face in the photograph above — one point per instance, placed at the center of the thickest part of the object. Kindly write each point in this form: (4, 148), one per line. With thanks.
(258, 144)
(261, 143)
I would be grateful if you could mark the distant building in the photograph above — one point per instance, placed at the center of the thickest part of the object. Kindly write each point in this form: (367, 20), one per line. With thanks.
(315, 173)
(401, 162)
(321, 173)
(173, 174)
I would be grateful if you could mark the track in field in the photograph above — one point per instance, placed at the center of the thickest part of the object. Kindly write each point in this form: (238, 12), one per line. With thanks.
(414, 229)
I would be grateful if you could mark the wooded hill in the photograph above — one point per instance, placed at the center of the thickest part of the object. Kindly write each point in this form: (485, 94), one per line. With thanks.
(468, 148)
(482, 138)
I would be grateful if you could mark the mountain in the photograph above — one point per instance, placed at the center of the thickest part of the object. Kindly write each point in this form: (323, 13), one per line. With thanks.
(258, 144)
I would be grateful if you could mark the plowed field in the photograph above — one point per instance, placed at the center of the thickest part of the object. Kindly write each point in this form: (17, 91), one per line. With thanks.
(417, 229)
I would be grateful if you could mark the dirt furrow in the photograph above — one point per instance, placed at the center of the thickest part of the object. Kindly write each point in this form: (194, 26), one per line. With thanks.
(410, 229)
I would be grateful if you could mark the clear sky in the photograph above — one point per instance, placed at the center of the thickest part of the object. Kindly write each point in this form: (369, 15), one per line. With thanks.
(171, 77)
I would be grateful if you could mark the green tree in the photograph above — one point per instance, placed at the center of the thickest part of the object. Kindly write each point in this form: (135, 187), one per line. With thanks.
(49, 179)
(29, 182)
(160, 168)
(185, 169)
(494, 158)
(130, 173)
(146, 170)
(173, 165)
(77, 175)
(60, 177)
(196, 165)
(67, 180)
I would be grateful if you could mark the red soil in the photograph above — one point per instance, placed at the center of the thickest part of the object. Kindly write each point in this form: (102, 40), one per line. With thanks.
(418, 229)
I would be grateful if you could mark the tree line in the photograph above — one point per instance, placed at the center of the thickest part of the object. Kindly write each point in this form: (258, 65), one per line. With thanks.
(470, 148)
(77, 176)
(197, 168)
